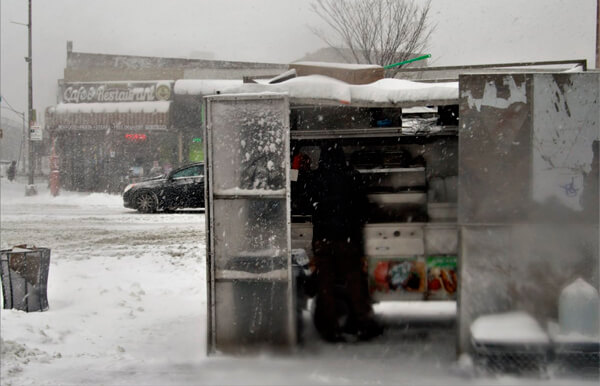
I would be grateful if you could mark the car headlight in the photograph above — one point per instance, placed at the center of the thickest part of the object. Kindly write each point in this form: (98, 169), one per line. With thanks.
(128, 187)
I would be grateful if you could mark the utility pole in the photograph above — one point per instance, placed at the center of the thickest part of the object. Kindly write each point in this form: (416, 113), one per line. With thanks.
(597, 33)
(30, 102)
(30, 188)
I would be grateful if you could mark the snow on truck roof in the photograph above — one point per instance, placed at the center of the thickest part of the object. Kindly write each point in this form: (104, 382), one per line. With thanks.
(345, 66)
(319, 89)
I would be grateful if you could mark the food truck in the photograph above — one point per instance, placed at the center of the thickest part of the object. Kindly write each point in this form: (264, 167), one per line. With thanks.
(424, 217)
(406, 151)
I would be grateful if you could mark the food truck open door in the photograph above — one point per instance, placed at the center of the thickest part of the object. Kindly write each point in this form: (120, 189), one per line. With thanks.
(249, 275)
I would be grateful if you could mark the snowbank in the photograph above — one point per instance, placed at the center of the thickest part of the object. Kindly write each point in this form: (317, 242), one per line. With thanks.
(516, 327)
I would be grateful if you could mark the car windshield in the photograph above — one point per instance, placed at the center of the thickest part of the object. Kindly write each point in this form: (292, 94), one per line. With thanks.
(193, 171)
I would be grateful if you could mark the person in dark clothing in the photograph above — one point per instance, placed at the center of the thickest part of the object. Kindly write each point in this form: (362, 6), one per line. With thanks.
(339, 209)
(12, 171)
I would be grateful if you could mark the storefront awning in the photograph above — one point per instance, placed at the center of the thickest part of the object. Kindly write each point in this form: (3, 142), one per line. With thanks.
(151, 116)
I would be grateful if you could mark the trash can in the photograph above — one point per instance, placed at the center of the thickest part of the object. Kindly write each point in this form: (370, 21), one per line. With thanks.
(24, 275)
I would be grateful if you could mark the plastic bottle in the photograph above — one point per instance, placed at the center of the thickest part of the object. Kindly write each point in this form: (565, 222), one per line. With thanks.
(578, 309)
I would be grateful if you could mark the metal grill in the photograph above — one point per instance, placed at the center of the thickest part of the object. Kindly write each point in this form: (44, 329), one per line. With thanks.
(512, 359)
(572, 360)
(579, 359)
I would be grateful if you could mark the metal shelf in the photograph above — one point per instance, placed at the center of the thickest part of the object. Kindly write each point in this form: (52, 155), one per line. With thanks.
(371, 133)
(248, 196)
(392, 170)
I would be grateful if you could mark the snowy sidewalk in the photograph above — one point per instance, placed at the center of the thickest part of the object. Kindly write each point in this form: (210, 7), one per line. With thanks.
(127, 297)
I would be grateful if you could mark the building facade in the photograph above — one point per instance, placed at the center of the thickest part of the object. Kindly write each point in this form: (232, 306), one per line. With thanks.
(116, 116)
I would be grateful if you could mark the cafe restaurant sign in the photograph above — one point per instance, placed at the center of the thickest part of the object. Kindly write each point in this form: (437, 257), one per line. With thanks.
(116, 92)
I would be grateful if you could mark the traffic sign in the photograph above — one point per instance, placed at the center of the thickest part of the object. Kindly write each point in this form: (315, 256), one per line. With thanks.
(36, 133)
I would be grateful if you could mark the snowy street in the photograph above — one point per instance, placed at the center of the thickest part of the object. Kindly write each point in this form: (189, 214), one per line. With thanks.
(127, 297)
(124, 289)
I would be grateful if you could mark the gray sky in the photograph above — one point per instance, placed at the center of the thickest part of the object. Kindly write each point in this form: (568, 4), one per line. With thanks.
(468, 32)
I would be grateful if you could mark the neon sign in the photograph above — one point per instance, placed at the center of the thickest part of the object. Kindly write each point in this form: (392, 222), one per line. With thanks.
(135, 137)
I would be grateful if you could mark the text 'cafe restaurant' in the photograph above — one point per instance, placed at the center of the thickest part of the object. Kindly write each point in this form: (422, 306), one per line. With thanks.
(107, 134)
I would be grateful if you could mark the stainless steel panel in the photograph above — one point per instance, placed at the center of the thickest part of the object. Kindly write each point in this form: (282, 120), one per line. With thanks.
(528, 166)
(526, 147)
(249, 275)
(494, 147)
(441, 239)
(249, 153)
(397, 207)
(442, 212)
(251, 227)
(398, 199)
(254, 314)
(443, 189)
(393, 179)
(393, 240)
(566, 123)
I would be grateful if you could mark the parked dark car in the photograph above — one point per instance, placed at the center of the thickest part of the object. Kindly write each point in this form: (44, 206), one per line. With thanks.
(181, 188)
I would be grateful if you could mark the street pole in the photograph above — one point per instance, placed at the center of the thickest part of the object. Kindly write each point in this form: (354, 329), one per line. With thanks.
(30, 101)
(22, 149)
(598, 34)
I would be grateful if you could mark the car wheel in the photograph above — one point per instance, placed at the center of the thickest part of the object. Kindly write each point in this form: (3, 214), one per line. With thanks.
(145, 202)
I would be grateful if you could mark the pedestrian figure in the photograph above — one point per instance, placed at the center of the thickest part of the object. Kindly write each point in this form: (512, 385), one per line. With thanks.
(12, 171)
(343, 304)
(156, 170)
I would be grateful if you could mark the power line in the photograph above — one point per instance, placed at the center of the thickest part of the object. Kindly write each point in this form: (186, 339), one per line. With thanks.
(14, 111)
(3, 99)
(22, 114)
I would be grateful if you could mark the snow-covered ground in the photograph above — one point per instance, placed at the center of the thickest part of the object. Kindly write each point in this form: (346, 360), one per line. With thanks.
(127, 297)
